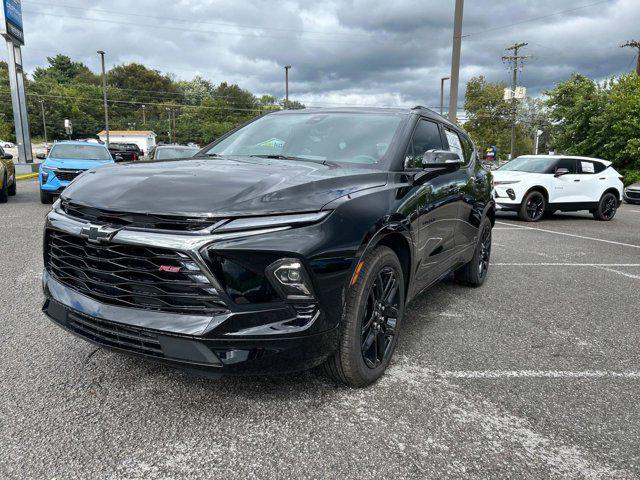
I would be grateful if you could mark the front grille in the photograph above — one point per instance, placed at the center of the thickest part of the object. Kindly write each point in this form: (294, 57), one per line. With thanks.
(115, 335)
(141, 220)
(131, 276)
(68, 175)
(633, 194)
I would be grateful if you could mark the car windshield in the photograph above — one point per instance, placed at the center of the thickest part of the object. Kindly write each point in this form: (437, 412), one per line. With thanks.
(530, 165)
(79, 152)
(336, 137)
(167, 153)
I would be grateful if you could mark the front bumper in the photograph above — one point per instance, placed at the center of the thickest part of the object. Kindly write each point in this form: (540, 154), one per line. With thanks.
(180, 340)
(632, 196)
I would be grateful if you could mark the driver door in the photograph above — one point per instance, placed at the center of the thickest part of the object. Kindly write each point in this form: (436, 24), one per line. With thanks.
(437, 207)
(567, 188)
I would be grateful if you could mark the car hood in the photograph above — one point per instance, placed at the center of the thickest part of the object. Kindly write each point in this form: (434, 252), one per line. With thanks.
(219, 187)
(634, 186)
(74, 164)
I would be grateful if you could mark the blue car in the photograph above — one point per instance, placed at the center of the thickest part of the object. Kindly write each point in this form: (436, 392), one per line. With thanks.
(65, 162)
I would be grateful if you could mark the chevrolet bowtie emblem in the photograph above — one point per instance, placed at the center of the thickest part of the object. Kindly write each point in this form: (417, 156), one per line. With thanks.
(98, 233)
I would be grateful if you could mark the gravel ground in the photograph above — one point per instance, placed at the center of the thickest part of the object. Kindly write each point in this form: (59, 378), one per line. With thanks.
(534, 375)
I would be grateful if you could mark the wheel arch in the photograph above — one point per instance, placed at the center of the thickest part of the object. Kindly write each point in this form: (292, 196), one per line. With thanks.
(537, 188)
(613, 190)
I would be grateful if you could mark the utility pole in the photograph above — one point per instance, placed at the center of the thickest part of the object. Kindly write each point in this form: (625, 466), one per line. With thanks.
(286, 86)
(144, 117)
(104, 96)
(634, 44)
(442, 80)
(44, 121)
(455, 61)
(514, 59)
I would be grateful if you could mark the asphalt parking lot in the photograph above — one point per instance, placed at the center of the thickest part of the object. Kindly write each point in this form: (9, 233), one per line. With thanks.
(534, 375)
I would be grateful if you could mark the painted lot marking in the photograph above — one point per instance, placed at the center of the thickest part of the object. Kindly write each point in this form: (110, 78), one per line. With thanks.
(570, 235)
(565, 264)
(561, 374)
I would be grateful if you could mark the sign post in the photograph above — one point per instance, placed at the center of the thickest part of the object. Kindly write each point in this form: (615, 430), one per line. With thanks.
(12, 31)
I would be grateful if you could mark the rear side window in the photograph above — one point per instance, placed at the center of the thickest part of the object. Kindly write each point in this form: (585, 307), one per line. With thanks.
(568, 163)
(455, 145)
(426, 136)
(587, 167)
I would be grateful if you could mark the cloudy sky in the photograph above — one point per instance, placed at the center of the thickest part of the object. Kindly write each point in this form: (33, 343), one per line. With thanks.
(368, 52)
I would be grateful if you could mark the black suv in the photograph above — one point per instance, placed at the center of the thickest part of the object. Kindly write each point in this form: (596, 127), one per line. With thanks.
(294, 241)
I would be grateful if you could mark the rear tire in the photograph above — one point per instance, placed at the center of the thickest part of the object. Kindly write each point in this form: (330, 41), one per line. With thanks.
(46, 198)
(474, 273)
(4, 191)
(13, 189)
(370, 322)
(532, 207)
(607, 207)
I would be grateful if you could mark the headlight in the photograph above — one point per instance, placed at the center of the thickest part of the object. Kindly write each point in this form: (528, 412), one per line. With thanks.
(290, 278)
(46, 171)
(253, 223)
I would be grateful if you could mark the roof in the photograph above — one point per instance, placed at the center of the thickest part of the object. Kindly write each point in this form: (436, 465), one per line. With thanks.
(131, 133)
(79, 142)
(577, 157)
(427, 112)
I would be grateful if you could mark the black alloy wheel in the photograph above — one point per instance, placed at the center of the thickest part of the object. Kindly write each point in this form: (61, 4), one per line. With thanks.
(607, 207)
(4, 191)
(380, 318)
(485, 251)
(533, 207)
(374, 307)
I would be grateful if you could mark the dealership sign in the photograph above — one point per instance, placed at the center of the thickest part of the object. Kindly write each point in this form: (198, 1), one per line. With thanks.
(11, 21)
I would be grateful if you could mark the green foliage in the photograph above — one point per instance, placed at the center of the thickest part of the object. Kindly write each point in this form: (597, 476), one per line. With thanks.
(598, 120)
(631, 176)
(139, 98)
(490, 118)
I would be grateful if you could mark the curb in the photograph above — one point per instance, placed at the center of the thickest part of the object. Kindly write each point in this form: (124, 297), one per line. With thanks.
(26, 176)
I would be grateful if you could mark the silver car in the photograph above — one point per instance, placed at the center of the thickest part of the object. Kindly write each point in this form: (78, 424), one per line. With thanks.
(632, 193)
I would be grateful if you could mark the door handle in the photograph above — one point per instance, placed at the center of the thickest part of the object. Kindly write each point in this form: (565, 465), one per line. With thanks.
(576, 180)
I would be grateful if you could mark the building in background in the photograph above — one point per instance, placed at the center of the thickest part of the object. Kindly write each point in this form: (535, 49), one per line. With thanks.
(145, 139)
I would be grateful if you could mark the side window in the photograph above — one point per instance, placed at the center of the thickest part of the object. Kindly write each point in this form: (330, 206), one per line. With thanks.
(467, 146)
(568, 163)
(454, 143)
(426, 136)
(586, 167)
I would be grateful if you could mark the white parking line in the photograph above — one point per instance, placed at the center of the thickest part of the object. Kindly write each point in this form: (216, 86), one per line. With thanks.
(565, 264)
(624, 274)
(633, 374)
(570, 235)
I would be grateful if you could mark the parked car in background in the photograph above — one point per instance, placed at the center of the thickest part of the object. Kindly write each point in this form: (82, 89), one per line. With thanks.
(5, 144)
(8, 184)
(294, 241)
(65, 162)
(130, 152)
(534, 185)
(632, 193)
(170, 152)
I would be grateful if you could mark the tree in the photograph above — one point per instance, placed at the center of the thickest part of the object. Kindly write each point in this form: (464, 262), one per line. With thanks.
(63, 70)
(598, 120)
(490, 117)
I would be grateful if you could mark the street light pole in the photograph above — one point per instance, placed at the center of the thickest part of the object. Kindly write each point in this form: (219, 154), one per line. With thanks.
(104, 96)
(442, 80)
(144, 117)
(286, 86)
(455, 61)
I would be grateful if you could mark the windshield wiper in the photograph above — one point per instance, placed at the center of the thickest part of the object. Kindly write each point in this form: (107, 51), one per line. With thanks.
(288, 157)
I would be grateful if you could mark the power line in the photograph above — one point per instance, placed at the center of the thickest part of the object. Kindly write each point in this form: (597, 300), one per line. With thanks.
(634, 44)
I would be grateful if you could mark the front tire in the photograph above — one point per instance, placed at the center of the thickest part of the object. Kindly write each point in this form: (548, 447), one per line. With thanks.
(46, 198)
(13, 189)
(370, 323)
(4, 191)
(474, 273)
(532, 207)
(607, 207)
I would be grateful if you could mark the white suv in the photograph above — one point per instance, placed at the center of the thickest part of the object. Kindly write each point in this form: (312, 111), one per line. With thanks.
(537, 185)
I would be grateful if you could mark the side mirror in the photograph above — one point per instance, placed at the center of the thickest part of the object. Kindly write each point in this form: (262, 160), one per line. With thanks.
(441, 159)
(560, 172)
(7, 156)
(41, 156)
(118, 158)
